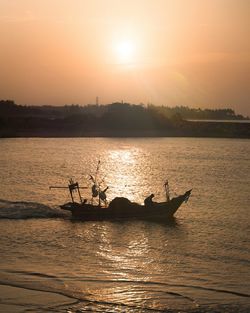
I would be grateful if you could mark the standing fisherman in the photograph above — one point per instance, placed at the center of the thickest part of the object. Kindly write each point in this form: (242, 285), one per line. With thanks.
(166, 186)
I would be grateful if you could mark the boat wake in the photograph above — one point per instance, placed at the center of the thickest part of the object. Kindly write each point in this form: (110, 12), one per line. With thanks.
(26, 210)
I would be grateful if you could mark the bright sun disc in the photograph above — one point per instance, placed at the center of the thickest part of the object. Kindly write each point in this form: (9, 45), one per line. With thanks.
(125, 51)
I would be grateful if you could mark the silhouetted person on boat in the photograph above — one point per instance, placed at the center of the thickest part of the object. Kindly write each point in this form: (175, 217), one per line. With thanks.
(166, 186)
(148, 201)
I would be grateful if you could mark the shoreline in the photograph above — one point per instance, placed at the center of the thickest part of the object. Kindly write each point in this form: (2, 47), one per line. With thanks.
(19, 299)
(15, 299)
(58, 129)
(123, 136)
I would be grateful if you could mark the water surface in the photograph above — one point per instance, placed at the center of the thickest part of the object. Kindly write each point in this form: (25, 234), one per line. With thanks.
(199, 263)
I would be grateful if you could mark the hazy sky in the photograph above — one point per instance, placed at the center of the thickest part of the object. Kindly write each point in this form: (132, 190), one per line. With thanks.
(170, 52)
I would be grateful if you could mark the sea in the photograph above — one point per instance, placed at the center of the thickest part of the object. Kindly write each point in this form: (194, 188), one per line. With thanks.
(199, 262)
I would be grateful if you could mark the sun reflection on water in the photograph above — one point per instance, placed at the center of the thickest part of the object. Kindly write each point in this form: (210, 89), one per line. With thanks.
(125, 156)
(123, 260)
(125, 173)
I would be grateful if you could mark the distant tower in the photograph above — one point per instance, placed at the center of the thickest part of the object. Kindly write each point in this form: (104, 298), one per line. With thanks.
(97, 101)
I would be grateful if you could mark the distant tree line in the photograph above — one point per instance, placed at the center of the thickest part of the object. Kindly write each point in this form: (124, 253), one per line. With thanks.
(9, 108)
(201, 114)
(116, 119)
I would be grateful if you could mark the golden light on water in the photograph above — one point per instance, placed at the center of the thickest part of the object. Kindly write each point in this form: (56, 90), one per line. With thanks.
(128, 283)
(125, 175)
(123, 156)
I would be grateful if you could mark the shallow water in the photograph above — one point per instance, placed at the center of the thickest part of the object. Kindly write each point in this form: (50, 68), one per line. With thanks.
(199, 263)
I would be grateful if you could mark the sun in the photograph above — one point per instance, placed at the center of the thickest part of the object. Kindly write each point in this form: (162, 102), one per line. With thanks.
(125, 52)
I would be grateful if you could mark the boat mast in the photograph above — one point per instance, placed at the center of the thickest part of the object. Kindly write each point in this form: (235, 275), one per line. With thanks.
(74, 186)
(71, 186)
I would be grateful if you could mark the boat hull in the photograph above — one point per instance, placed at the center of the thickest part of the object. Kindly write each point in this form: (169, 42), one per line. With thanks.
(122, 208)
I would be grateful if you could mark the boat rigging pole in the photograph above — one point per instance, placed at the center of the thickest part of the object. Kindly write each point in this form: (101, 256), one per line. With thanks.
(72, 186)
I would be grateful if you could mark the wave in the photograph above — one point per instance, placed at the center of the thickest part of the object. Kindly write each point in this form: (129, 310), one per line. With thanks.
(150, 285)
(86, 300)
(26, 210)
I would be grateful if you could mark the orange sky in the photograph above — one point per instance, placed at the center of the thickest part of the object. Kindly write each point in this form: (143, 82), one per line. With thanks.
(171, 52)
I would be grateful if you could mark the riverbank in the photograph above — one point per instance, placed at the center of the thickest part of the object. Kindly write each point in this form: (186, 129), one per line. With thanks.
(15, 128)
(18, 299)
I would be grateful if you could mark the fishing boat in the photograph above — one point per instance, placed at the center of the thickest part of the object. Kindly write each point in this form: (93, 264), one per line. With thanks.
(120, 207)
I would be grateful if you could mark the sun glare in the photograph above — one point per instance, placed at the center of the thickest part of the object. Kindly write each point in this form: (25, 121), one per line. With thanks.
(125, 52)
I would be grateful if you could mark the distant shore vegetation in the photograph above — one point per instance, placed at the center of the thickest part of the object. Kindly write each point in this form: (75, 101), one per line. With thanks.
(118, 119)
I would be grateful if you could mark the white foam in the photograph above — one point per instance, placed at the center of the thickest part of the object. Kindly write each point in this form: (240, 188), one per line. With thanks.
(24, 210)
